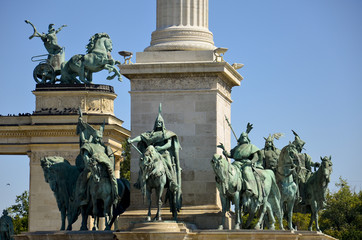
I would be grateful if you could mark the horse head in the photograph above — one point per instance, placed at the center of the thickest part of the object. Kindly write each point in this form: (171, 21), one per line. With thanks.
(326, 167)
(219, 165)
(94, 168)
(51, 172)
(288, 156)
(99, 42)
(151, 162)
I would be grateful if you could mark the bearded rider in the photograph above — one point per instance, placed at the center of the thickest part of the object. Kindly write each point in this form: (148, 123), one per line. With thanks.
(270, 154)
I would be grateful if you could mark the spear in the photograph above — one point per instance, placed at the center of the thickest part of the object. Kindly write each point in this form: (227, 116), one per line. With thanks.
(227, 120)
(136, 148)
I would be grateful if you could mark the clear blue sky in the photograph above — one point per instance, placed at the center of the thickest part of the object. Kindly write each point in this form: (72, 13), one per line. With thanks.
(303, 68)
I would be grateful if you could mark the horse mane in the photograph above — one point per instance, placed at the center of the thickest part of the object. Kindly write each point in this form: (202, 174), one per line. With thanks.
(94, 39)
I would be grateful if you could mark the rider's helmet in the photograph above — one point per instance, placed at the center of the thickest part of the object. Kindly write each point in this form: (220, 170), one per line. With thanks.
(298, 143)
(159, 122)
(50, 28)
(269, 142)
(244, 138)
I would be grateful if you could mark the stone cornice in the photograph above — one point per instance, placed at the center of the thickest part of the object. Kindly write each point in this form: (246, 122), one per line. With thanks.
(228, 73)
(18, 135)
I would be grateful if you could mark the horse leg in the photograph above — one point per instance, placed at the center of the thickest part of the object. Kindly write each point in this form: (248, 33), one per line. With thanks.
(313, 216)
(89, 76)
(224, 207)
(84, 218)
(148, 194)
(159, 192)
(95, 214)
(316, 220)
(290, 206)
(237, 210)
(69, 227)
(116, 72)
(270, 217)
(106, 212)
(82, 73)
(63, 215)
(263, 211)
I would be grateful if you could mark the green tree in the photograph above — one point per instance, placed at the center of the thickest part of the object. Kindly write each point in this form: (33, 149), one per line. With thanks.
(125, 169)
(19, 212)
(342, 217)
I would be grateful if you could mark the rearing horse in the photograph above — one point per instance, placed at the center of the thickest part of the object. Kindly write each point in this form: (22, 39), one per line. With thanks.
(98, 57)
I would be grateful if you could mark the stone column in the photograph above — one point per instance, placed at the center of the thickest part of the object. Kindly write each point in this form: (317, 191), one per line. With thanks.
(183, 71)
(182, 25)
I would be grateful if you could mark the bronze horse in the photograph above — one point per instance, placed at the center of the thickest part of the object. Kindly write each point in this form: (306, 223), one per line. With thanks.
(98, 57)
(229, 182)
(316, 190)
(284, 175)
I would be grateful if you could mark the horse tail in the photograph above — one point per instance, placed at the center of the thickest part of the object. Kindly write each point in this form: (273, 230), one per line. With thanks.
(125, 198)
(275, 188)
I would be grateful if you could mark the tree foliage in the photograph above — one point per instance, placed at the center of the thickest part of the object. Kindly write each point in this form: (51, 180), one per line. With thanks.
(19, 212)
(342, 217)
(125, 169)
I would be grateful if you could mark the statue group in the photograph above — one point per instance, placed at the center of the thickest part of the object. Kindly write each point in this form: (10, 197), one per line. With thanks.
(90, 187)
(267, 182)
(80, 67)
(270, 181)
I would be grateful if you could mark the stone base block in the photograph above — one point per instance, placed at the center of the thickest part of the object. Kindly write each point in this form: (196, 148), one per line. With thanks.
(201, 217)
(66, 235)
(161, 235)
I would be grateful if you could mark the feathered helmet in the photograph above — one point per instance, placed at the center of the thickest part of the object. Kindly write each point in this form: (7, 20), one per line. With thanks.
(159, 119)
(299, 143)
(271, 138)
(245, 134)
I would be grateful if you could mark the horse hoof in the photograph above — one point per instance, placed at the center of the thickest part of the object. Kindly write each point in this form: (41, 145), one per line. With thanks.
(148, 219)
(257, 227)
(237, 227)
(83, 229)
(220, 227)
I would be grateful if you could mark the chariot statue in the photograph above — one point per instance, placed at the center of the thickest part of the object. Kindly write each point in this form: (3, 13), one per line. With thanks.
(80, 68)
(50, 64)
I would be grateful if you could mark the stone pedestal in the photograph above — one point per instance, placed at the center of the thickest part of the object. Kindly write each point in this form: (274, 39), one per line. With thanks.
(195, 92)
(51, 131)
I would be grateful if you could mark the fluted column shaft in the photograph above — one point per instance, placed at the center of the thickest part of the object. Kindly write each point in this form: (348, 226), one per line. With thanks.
(182, 25)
